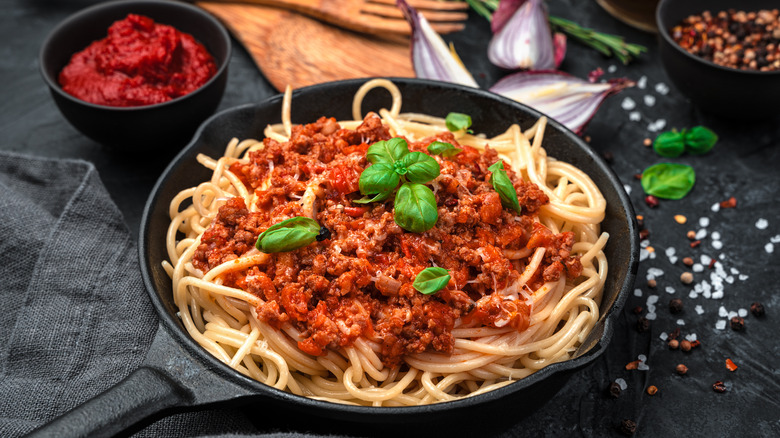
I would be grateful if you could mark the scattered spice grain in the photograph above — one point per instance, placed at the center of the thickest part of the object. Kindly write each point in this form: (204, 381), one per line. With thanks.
(695, 343)
(651, 201)
(719, 386)
(687, 261)
(695, 243)
(729, 203)
(614, 390)
(757, 309)
(686, 278)
(685, 345)
(681, 369)
(644, 233)
(632, 365)
(691, 235)
(628, 427)
(675, 305)
(730, 365)
(737, 323)
(642, 324)
(652, 283)
(647, 142)
(637, 310)
(674, 344)
(652, 390)
(680, 219)
(640, 221)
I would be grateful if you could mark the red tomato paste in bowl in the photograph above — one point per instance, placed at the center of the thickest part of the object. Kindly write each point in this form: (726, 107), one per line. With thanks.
(140, 62)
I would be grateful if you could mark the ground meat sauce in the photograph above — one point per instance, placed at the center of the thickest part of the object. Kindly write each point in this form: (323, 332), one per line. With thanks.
(359, 282)
(139, 63)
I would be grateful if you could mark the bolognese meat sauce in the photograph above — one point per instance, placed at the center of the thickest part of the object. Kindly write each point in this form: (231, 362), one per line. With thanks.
(358, 282)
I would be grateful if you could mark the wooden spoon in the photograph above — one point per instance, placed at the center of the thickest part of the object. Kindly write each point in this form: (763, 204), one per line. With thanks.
(294, 50)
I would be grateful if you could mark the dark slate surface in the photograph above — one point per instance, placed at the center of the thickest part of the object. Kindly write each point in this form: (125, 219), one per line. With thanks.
(743, 164)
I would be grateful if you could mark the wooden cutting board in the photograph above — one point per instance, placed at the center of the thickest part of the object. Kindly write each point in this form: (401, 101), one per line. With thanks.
(290, 48)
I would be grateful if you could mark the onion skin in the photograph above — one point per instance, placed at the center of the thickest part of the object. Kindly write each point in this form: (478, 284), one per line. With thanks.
(524, 40)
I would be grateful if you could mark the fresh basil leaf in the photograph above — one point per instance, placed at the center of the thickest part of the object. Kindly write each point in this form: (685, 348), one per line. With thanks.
(443, 149)
(387, 151)
(378, 198)
(504, 187)
(700, 140)
(378, 178)
(457, 121)
(420, 167)
(415, 208)
(669, 144)
(431, 280)
(668, 180)
(288, 235)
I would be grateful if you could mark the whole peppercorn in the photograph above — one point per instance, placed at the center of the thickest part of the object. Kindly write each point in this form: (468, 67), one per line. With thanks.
(652, 390)
(642, 324)
(757, 309)
(652, 283)
(685, 345)
(719, 386)
(681, 369)
(614, 390)
(674, 344)
(676, 305)
(737, 323)
(686, 278)
(628, 427)
(651, 201)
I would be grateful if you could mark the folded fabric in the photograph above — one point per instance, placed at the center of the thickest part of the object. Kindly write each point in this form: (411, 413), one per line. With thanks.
(76, 318)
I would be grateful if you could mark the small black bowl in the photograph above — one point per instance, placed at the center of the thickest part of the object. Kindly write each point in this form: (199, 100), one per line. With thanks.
(723, 91)
(142, 127)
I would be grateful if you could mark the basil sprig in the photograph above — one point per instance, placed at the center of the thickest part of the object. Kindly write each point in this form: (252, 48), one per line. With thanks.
(444, 149)
(504, 187)
(457, 122)
(391, 164)
(697, 140)
(668, 180)
(431, 280)
(291, 234)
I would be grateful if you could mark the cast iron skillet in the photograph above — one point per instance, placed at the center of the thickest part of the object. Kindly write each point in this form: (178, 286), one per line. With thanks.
(178, 373)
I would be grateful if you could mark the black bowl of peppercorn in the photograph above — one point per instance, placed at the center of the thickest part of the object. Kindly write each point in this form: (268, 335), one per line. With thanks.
(724, 55)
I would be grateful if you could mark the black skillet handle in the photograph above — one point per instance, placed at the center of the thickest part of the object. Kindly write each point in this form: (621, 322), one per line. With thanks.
(142, 393)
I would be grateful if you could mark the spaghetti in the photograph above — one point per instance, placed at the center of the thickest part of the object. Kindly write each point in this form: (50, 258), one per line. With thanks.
(338, 320)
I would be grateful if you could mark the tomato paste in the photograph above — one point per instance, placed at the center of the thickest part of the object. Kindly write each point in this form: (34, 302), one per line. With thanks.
(140, 62)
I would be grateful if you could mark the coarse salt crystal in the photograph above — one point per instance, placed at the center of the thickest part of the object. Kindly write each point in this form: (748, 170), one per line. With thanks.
(669, 290)
(644, 243)
(732, 314)
(680, 322)
(742, 312)
(628, 104)
(622, 383)
(655, 272)
(717, 244)
(734, 271)
(762, 223)
(718, 294)
(652, 299)
(673, 259)
(704, 221)
(775, 239)
(697, 267)
(721, 324)
(699, 310)
(634, 116)
(722, 257)
(642, 83)
(715, 207)
(693, 294)
(715, 235)
(698, 287)
(691, 337)
(662, 88)
(730, 279)
(663, 336)
(701, 234)
(722, 311)
(642, 357)
(769, 248)
(707, 294)
(651, 308)
(670, 251)
(743, 277)
(649, 100)
(657, 125)
(637, 292)
(643, 254)
(653, 255)
(650, 316)
(642, 366)
(612, 68)
(627, 188)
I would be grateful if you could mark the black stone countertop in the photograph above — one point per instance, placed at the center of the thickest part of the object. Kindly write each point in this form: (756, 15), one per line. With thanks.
(745, 240)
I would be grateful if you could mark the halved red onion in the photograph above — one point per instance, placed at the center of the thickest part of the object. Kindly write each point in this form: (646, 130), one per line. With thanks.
(568, 99)
(525, 40)
(431, 58)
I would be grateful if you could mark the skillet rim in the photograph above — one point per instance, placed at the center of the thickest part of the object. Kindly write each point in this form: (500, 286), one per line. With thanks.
(369, 413)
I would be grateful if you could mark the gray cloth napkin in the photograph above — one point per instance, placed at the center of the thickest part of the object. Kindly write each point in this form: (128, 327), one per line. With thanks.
(75, 317)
